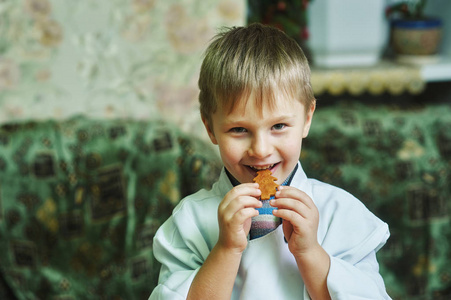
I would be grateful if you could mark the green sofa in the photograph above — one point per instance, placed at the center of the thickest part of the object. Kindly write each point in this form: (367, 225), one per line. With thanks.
(397, 160)
(81, 199)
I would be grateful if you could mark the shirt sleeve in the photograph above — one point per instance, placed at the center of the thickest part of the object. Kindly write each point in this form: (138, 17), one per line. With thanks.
(351, 235)
(181, 248)
(354, 270)
(359, 281)
(178, 268)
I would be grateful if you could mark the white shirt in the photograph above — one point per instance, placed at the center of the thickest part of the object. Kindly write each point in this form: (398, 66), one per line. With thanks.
(347, 231)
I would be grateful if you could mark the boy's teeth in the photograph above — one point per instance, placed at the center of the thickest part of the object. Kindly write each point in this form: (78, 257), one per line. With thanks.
(261, 167)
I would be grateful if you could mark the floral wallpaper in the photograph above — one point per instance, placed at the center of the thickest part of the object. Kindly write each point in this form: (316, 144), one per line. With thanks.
(107, 58)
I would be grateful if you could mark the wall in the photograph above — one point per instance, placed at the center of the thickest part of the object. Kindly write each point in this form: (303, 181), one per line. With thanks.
(106, 58)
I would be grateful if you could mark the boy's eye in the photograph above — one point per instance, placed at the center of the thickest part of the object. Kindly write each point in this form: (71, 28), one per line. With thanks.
(238, 130)
(279, 126)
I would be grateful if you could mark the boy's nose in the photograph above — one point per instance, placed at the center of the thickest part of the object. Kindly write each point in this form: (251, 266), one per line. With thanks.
(260, 147)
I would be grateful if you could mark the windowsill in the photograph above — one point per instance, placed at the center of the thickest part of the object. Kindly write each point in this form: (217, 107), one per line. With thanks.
(386, 76)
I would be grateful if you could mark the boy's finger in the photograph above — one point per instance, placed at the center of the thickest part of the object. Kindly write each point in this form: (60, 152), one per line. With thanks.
(230, 208)
(243, 202)
(296, 194)
(290, 204)
(289, 215)
(247, 189)
(243, 214)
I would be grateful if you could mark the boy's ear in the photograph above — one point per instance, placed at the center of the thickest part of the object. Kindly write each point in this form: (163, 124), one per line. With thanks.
(209, 129)
(308, 119)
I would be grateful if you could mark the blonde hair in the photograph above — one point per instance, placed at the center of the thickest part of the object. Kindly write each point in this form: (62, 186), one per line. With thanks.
(257, 59)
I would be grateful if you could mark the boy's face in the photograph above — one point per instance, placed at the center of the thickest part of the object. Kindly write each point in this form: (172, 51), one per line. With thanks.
(252, 138)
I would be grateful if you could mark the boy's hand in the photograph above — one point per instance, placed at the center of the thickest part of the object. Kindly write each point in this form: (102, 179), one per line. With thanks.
(300, 219)
(234, 215)
(300, 226)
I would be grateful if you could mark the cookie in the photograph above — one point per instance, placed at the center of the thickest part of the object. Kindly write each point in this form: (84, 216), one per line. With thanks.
(266, 184)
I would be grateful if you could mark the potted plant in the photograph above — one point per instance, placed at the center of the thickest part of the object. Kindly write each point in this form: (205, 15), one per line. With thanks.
(287, 15)
(415, 36)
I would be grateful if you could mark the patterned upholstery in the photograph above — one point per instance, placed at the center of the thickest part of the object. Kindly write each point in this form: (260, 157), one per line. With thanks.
(396, 159)
(80, 201)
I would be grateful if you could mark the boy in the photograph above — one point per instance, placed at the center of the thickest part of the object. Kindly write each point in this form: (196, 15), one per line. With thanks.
(312, 240)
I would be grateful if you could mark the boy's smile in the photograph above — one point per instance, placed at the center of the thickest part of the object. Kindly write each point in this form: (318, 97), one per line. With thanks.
(253, 137)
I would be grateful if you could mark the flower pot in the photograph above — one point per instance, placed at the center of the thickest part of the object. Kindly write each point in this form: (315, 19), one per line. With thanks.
(416, 41)
(347, 32)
